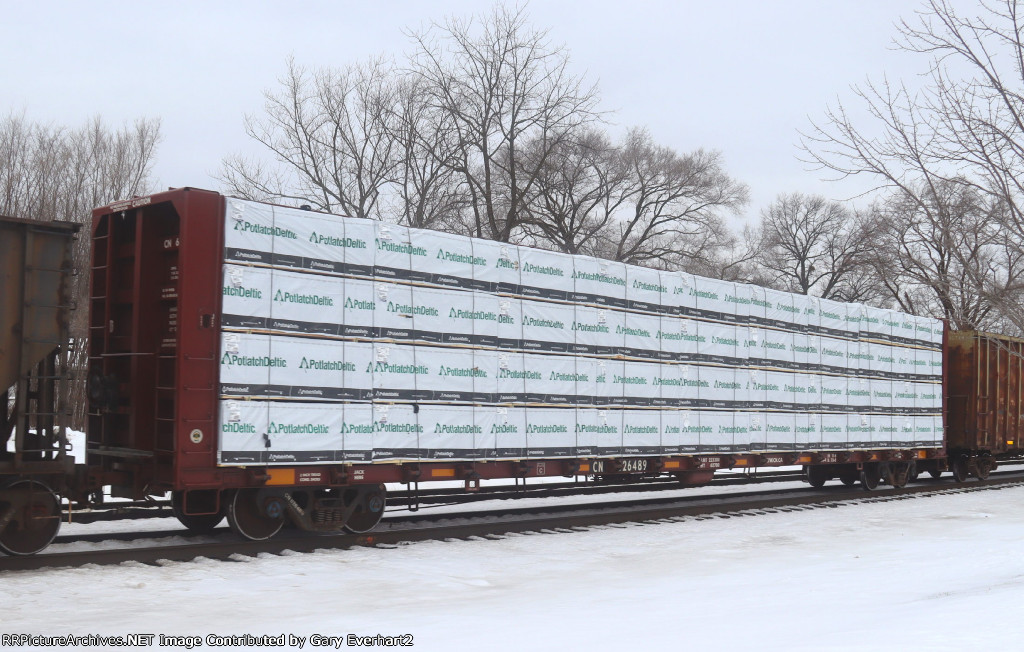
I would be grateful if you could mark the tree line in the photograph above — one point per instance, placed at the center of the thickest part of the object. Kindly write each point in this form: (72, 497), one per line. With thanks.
(483, 129)
(51, 172)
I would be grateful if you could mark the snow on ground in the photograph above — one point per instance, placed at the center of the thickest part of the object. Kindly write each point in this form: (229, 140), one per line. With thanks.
(937, 573)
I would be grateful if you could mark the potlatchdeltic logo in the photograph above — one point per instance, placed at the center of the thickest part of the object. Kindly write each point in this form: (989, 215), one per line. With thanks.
(384, 367)
(359, 304)
(262, 229)
(297, 429)
(244, 428)
(244, 293)
(455, 257)
(400, 248)
(332, 241)
(465, 372)
(326, 365)
(235, 360)
(460, 429)
(306, 299)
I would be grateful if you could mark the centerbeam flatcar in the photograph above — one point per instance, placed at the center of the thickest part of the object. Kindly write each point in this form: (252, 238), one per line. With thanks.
(268, 363)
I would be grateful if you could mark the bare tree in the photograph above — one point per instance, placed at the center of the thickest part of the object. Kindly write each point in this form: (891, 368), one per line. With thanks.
(330, 131)
(579, 189)
(430, 190)
(486, 132)
(809, 245)
(963, 126)
(944, 253)
(50, 172)
(671, 214)
(513, 102)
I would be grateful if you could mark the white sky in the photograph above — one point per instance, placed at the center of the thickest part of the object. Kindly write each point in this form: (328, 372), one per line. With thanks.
(740, 76)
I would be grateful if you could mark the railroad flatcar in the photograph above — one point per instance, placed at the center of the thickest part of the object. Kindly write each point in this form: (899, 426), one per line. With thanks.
(271, 364)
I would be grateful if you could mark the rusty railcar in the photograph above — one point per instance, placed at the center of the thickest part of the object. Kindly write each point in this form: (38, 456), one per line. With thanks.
(984, 399)
(35, 305)
(160, 407)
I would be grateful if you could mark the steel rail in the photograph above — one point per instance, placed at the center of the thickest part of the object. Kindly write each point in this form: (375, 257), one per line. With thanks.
(541, 519)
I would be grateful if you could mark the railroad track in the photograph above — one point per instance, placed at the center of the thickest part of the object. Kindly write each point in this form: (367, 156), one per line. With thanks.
(411, 528)
(455, 495)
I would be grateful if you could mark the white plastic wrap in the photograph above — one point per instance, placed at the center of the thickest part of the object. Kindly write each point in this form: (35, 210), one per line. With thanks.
(379, 342)
(397, 247)
(718, 431)
(881, 430)
(720, 340)
(778, 346)
(599, 279)
(549, 323)
(778, 389)
(641, 431)
(780, 430)
(547, 271)
(599, 329)
(246, 296)
(397, 432)
(758, 435)
(242, 426)
(640, 334)
(832, 427)
(681, 288)
(645, 287)
(834, 353)
(719, 386)
(509, 428)
(712, 297)
(306, 303)
(599, 431)
(640, 381)
(245, 363)
(832, 317)
(780, 311)
(249, 232)
(450, 432)
(303, 433)
(451, 259)
(319, 239)
(550, 432)
(807, 435)
(500, 265)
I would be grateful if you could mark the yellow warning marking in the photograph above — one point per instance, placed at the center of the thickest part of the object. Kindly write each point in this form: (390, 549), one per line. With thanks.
(281, 476)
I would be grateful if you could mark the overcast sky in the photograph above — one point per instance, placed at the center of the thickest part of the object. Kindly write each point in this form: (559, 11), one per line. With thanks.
(740, 76)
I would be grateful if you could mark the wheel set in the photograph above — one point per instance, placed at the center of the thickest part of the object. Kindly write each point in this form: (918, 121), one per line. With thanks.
(260, 513)
(29, 517)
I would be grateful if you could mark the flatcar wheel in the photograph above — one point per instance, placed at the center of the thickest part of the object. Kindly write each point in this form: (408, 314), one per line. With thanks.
(30, 517)
(983, 466)
(935, 472)
(816, 475)
(253, 515)
(199, 523)
(870, 476)
(369, 509)
(960, 468)
(849, 478)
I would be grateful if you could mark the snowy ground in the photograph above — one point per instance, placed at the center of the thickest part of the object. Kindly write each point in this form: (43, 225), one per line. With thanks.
(938, 573)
